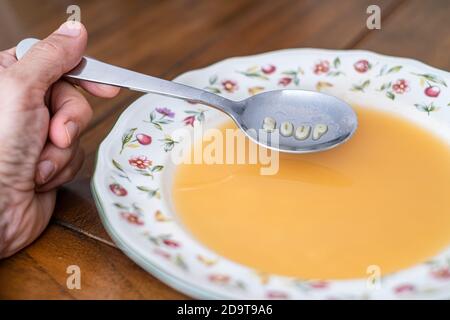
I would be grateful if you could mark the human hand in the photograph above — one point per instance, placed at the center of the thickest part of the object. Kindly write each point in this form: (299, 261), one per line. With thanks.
(41, 119)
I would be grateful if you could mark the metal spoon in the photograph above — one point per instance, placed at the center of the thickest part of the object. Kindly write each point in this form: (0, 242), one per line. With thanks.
(293, 121)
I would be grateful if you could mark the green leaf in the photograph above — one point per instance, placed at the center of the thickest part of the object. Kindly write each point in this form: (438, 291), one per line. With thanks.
(335, 73)
(432, 78)
(169, 146)
(365, 84)
(143, 188)
(337, 62)
(179, 261)
(157, 125)
(201, 116)
(390, 95)
(213, 79)
(385, 86)
(254, 75)
(117, 165)
(120, 206)
(153, 193)
(361, 87)
(382, 70)
(213, 89)
(157, 168)
(128, 136)
(290, 73)
(394, 69)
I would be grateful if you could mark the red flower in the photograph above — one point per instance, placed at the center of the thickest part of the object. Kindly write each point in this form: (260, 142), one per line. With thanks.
(322, 67)
(441, 273)
(140, 162)
(432, 91)
(219, 278)
(285, 81)
(143, 139)
(362, 66)
(268, 69)
(189, 121)
(171, 243)
(404, 288)
(230, 85)
(132, 218)
(400, 86)
(276, 295)
(318, 284)
(118, 190)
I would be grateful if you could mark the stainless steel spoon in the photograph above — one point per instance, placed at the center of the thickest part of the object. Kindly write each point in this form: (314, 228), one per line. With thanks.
(294, 121)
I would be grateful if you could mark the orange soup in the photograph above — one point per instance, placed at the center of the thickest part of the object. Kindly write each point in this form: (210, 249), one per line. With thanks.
(382, 198)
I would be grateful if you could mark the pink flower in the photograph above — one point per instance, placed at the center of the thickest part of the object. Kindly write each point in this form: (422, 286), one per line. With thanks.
(284, 81)
(189, 121)
(219, 278)
(132, 218)
(230, 85)
(268, 69)
(432, 91)
(162, 253)
(322, 67)
(362, 66)
(276, 295)
(118, 190)
(442, 273)
(171, 243)
(143, 139)
(404, 288)
(141, 162)
(318, 284)
(166, 112)
(400, 86)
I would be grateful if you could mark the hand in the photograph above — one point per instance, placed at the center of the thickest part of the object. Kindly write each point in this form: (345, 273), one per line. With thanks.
(41, 119)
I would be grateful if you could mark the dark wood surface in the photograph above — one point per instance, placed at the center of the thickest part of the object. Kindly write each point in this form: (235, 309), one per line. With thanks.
(166, 38)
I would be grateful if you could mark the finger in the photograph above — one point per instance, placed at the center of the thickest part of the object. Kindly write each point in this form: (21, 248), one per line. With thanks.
(7, 58)
(50, 58)
(53, 160)
(66, 175)
(71, 114)
(97, 89)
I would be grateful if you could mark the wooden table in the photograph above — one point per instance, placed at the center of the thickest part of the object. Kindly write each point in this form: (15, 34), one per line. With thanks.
(166, 38)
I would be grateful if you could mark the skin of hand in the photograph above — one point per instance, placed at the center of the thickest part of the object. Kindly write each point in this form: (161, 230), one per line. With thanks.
(41, 119)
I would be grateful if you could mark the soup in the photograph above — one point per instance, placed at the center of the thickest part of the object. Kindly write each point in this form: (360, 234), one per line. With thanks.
(380, 199)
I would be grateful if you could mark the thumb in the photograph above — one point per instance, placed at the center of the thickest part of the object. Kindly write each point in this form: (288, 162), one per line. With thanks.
(50, 58)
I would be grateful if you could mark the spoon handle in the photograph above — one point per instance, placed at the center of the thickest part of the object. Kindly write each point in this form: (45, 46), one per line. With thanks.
(93, 70)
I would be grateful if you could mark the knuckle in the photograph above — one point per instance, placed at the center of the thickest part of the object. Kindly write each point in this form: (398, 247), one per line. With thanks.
(49, 48)
(17, 85)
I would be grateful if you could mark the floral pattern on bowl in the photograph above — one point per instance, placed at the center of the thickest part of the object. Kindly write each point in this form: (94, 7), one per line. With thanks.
(131, 183)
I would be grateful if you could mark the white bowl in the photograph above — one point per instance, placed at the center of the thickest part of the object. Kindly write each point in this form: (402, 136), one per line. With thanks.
(135, 205)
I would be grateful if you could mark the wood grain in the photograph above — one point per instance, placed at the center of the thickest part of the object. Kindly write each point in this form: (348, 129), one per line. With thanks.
(418, 30)
(166, 38)
(40, 271)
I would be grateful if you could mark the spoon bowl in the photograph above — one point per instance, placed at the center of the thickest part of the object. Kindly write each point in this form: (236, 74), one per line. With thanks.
(293, 121)
(301, 113)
